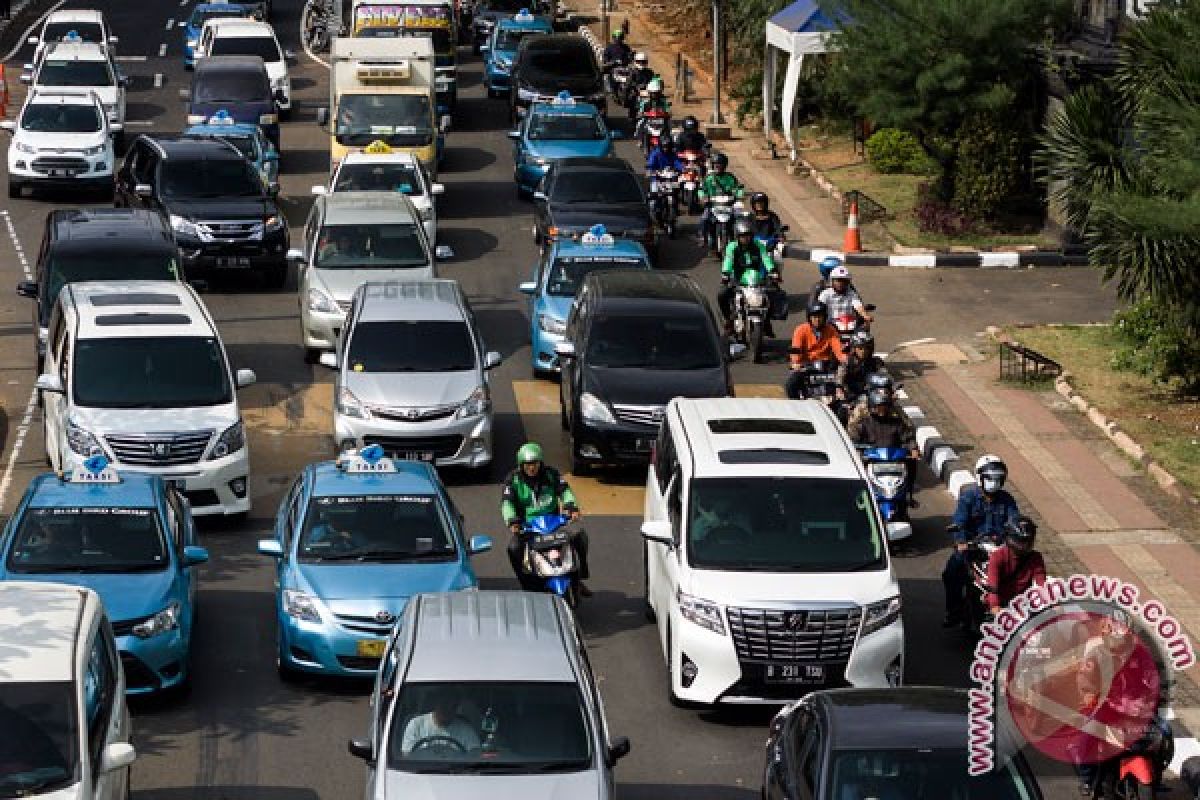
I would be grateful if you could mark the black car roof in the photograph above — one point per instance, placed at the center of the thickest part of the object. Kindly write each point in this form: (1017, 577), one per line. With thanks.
(592, 162)
(903, 718)
(229, 63)
(635, 288)
(129, 228)
(554, 41)
(189, 148)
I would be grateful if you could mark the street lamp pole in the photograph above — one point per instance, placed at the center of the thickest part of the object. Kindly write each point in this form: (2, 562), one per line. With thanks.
(718, 50)
(605, 33)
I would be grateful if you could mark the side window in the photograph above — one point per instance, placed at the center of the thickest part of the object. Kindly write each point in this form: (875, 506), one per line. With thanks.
(293, 514)
(64, 357)
(56, 330)
(675, 504)
(99, 691)
(665, 461)
(143, 165)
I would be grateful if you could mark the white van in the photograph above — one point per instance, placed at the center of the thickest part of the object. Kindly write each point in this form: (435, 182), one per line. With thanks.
(136, 370)
(766, 558)
(64, 725)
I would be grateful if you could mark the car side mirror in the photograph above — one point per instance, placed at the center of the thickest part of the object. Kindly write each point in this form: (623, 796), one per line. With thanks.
(115, 40)
(28, 289)
(539, 197)
(328, 360)
(361, 748)
(26, 78)
(492, 360)
(898, 531)
(199, 284)
(443, 252)
(246, 377)
(183, 24)
(479, 544)
(514, 135)
(193, 555)
(295, 254)
(117, 755)
(32, 40)
(436, 189)
(143, 190)
(185, 94)
(319, 190)
(49, 382)
(658, 531)
(323, 116)
(8, 125)
(280, 96)
(618, 749)
(27, 67)
(528, 287)
(564, 349)
(271, 155)
(289, 56)
(123, 81)
(270, 547)
(483, 48)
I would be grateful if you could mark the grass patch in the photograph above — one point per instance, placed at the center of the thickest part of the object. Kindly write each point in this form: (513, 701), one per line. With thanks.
(1157, 418)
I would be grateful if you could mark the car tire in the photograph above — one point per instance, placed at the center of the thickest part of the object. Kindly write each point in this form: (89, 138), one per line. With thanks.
(275, 276)
(14, 189)
(647, 609)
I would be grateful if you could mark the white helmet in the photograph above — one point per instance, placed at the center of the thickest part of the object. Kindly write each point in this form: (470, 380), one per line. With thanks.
(991, 472)
(655, 85)
(838, 273)
(641, 59)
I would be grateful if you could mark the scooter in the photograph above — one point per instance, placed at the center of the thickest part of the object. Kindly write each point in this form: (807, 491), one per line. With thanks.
(618, 79)
(662, 197)
(690, 179)
(724, 208)
(819, 381)
(849, 324)
(550, 555)
(1134, 774)
(652, 126)
(751, 314)
(886, 472)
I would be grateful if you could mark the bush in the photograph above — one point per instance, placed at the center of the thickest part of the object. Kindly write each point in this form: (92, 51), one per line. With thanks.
(1155, 341)
(988, 167)
(936, 216)
(891, 150)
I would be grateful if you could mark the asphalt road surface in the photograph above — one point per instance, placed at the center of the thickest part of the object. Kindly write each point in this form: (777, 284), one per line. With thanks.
(242, 733)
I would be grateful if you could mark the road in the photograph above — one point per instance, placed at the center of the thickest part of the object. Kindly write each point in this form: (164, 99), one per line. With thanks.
(242, 733)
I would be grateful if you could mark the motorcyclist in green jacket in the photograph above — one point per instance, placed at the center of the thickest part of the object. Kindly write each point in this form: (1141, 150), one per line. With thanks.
(532, 490)
(745, 256)
(719, 181)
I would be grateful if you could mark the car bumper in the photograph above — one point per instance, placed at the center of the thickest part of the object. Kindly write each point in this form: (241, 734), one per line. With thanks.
(615, 443)
(154, 664)
(542, 350)
(324, 648)
(321, 328)
(20, 170)
(233, 256)
(722, 678)
(447, 442)
(220, 486)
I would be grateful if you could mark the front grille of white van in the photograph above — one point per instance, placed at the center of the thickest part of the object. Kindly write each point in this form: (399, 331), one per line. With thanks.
(778, 635)
(159, 449)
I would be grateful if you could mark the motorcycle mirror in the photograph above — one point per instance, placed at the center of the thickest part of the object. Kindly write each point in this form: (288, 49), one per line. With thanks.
(869, 306)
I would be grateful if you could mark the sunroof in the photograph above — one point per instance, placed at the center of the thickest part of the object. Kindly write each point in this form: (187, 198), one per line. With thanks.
(135, 299)
(143, 318)
(770, 455)
(761, 426)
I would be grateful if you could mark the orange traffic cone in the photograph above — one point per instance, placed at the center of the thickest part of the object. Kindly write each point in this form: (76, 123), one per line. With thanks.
(852, 243)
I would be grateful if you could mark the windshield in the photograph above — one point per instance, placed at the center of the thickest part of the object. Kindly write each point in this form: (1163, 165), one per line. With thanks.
(919, 774)
(502, 5)
(377, 246)
(504, 728)
(379, 178)
(265, 47)
(376, 528)
(652, 342)
(574, 127)
(37, 737)
(51, 540)
(88, 31)
(75, 73)
(215, 178)
(244, 144)
(549, 64)
(508, 40)
(64, 268)
(568, 272)
(412, 346)
(399, 120)
(231, 86)
(783, 525)
(60, 118)
(200, 17)
(150, 372)
(596, 187)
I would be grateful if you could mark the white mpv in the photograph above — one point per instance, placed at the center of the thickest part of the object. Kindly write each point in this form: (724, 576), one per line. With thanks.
(766, 558)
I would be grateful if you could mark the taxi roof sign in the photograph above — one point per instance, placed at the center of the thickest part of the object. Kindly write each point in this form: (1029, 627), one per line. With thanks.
(369, 460)
(222, 117)
(597, 236)
(378, 148)
(523, 16)
(563, 98)
(72, 36)
(95, 469)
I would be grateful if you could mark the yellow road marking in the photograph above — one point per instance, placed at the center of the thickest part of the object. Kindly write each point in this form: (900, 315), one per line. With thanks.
(598, 497)
(536, 397)
(273, 408)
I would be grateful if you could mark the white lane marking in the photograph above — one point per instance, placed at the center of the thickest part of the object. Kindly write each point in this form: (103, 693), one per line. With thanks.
(304, 43)
(29, 31)
(170, 25)
(131, 59)
(31, 406)
(183, 3)
(911, 342)
(158, 80)
(162, 49)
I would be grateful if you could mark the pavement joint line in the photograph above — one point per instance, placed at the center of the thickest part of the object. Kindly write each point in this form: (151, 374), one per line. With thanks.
(130, 59)
(170, 24)
(24, 36)
(162, 49)
(1128, 536)
(31, 406)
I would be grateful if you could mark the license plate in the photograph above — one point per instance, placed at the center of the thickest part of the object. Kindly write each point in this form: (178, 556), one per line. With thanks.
(422, 455)
(795, 673)
(231, 261)
(371, 648)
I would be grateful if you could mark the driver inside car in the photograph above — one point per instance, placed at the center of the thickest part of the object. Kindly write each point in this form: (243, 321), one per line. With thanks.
(442, 728)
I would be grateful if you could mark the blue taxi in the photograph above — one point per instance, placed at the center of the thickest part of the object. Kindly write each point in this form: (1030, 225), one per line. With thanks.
(130, 538)
(562, 128)
(354, 539)
(501, 49)
(249, 139)
(558, 277)
(201, 14)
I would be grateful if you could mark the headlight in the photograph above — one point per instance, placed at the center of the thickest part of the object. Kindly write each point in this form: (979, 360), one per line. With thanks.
(300, 605)
(184, 225)
(163, 621)
(480, 402)
(350, 405)
(232, 440)
(550, 324)
(93, 151)
(24, 148)
(273, 222)
(541, 162)
(594, 409)
(879, 615)
(81, 440)
(704, 613)
(319, 301)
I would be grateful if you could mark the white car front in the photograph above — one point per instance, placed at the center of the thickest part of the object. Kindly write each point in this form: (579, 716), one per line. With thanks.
(82, 67)
(380, 168)
(237, 36)
(60, 139)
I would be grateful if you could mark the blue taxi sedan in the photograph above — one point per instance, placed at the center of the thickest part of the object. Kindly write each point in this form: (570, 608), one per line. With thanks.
(501, 49)
(129, 538)
(558, 277)
(249, 139)
(354, 539)
(562, 128)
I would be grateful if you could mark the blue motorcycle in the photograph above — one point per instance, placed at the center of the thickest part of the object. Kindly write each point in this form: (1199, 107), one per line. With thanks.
(550, 556)
(886, 473)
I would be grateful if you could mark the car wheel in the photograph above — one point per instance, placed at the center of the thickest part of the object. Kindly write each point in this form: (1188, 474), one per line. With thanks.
(14, 189)
(647, 609)
(275, 276)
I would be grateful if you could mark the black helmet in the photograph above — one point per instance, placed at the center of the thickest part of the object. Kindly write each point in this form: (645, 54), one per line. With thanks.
(880, 380)
(743, 228)
(879, 397)
(720, 160)
(1022, 531)
(760, 197)
(818, 309)
(666, 144)
(691, 124)
(863, 339)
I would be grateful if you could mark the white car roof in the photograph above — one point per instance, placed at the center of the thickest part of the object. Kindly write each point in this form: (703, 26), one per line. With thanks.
(108, 309)
(240, 26)
(75, 51)
(62, 97)
(39, 630)
(359, 157)
(76, 15)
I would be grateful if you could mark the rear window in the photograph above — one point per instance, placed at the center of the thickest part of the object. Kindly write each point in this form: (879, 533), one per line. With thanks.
(99, 264)
(87, 31)
(662, 342)
(231, 86)
(560, 60)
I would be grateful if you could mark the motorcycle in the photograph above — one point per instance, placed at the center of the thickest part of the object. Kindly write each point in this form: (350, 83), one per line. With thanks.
(652, 126)
(663, 199)
(819, 381)
(315, 26)
(690, 179)
(618, 78)
(886, 472)
(849, 324)
(979, 552)
(550, 555)
(724, 208)
(1134, 774)
(751, 313)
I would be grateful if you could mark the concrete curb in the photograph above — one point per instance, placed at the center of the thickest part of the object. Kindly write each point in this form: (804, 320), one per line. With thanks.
(983, 259)
(1123, 441)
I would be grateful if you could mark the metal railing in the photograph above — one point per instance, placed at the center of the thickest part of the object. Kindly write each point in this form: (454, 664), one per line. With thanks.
(868, 209)
(1018, 363)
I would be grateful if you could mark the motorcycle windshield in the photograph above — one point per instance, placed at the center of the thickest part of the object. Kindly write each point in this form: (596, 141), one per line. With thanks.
(547, 523)
(884, 454)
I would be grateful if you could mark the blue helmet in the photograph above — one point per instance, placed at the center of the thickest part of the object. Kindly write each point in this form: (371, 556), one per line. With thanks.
(828, 265)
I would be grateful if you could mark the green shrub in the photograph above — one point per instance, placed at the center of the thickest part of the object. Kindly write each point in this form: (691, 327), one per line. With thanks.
(891, 150)
(1154, 340)
(988, 167)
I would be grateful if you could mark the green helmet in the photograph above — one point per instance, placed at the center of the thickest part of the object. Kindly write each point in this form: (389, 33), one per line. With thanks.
(529, 452)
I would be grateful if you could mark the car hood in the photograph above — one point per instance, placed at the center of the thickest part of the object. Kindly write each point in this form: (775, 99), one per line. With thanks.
(228, 208)
(597, 148)
(764, 589)
(550, 85)
(653, 387)
(128, 596)
(361, 589)
(155, 420)
(616, 218)
(571, 786)
(341, 283)
(412, 388)
(556, 306)
(50, 142)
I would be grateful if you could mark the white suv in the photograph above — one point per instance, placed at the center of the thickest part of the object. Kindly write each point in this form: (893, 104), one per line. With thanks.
(64, 725)
(61, 138)
(137, 371)
(79, 66)
(766, 558)
(86, 23)
(236, 36)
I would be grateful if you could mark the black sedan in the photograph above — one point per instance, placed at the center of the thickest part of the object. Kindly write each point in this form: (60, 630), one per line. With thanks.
(904, 744)
(578, 193)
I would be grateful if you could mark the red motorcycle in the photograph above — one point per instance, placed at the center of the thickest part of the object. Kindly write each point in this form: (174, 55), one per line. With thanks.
(849, 324)
(653, 125)
(690, 180)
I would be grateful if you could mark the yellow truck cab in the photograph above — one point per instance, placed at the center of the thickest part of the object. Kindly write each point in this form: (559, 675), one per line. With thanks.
(382, 90)
(421, 19)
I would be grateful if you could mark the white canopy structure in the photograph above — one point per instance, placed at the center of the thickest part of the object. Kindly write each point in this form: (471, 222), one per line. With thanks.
(802, 29)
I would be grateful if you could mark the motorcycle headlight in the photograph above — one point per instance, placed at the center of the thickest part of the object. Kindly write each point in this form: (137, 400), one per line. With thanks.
(24, 148)
(550, 324)
(232, 440)
(351, 406)
(81, 440)
(184, 225)
(699, 611)
(879, 615)
(480, 402)
(319, 301)
(300, 605)
(273, 222)
(594, 409)
(160, 623)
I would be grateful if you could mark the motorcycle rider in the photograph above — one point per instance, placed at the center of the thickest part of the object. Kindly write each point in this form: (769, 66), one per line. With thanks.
(766, 222)
(663, 157)
(861, 362)
(842, 298)
(531, 490)
(827, 265)
(814, 340)
(880, 379)
(745, 255)
(985, 510)
(1014, 566)
(638, 78)
(616, 53)
(885, 426)
(690, 137)
(718, 181)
